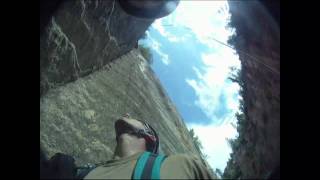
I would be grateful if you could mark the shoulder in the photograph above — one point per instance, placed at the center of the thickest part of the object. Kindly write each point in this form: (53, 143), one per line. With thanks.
(183, 158)
(177, 166)
(189, 165)
(181, 162)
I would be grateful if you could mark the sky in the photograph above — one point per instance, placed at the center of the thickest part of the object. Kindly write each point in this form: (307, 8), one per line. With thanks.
(194, 70)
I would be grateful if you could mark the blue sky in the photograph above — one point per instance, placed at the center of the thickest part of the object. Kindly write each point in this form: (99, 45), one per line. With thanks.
(193, 68)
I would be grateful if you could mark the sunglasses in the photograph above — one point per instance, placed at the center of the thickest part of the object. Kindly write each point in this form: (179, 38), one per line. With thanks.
(122, 127)
(148, 133)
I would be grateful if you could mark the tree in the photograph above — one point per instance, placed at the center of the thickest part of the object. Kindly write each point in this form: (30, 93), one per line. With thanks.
(236, 76)
(232, 40)
(219, 172)
(146, 53)
(191, 132)
(197, 143)
(144, 36)
(232, 171)
(196, 140)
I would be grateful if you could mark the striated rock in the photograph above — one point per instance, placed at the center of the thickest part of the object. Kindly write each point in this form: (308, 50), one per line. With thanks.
(83, 36)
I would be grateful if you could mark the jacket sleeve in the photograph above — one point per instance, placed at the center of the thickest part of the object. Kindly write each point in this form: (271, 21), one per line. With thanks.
(200, 171)
(183, 166)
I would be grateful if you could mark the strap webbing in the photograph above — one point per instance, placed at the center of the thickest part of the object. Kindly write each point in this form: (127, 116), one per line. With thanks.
(157, 166)
(148, 166)
(140, 165)
(146, 174)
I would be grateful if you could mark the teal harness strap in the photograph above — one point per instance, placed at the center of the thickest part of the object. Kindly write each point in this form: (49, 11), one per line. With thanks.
(140, 165)
(156, 167)
(148, 166)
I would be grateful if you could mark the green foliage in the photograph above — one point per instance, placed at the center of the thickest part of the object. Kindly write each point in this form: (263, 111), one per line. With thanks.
(197, 143)
(230, 24)
(238, 41)
(232, 170)
(204, 157)
(144, 36)
(196, 140)
(218, 172)
(192, 133)
(146, 53)
(232, 40)
(236, 76)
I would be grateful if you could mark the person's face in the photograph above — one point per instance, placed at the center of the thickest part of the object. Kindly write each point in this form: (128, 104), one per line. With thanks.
(121, 125)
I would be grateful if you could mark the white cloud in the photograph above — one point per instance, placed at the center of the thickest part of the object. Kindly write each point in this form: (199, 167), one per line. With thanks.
(155, 46)
(213, 139)
(231, 90)
(207, 19)
(147, 34)
(174, 39)
(164, 58)
(158, 25)
(208, 94)
(211, 83)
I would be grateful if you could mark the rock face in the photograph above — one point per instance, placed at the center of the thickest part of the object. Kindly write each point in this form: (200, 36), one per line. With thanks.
(258, 35)
(83, 36)
(78, 118)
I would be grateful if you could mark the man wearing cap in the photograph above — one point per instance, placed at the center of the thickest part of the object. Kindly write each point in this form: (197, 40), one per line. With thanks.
(135, 141)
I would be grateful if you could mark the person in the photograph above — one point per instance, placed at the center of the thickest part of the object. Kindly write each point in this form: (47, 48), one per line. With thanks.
(134, 138)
